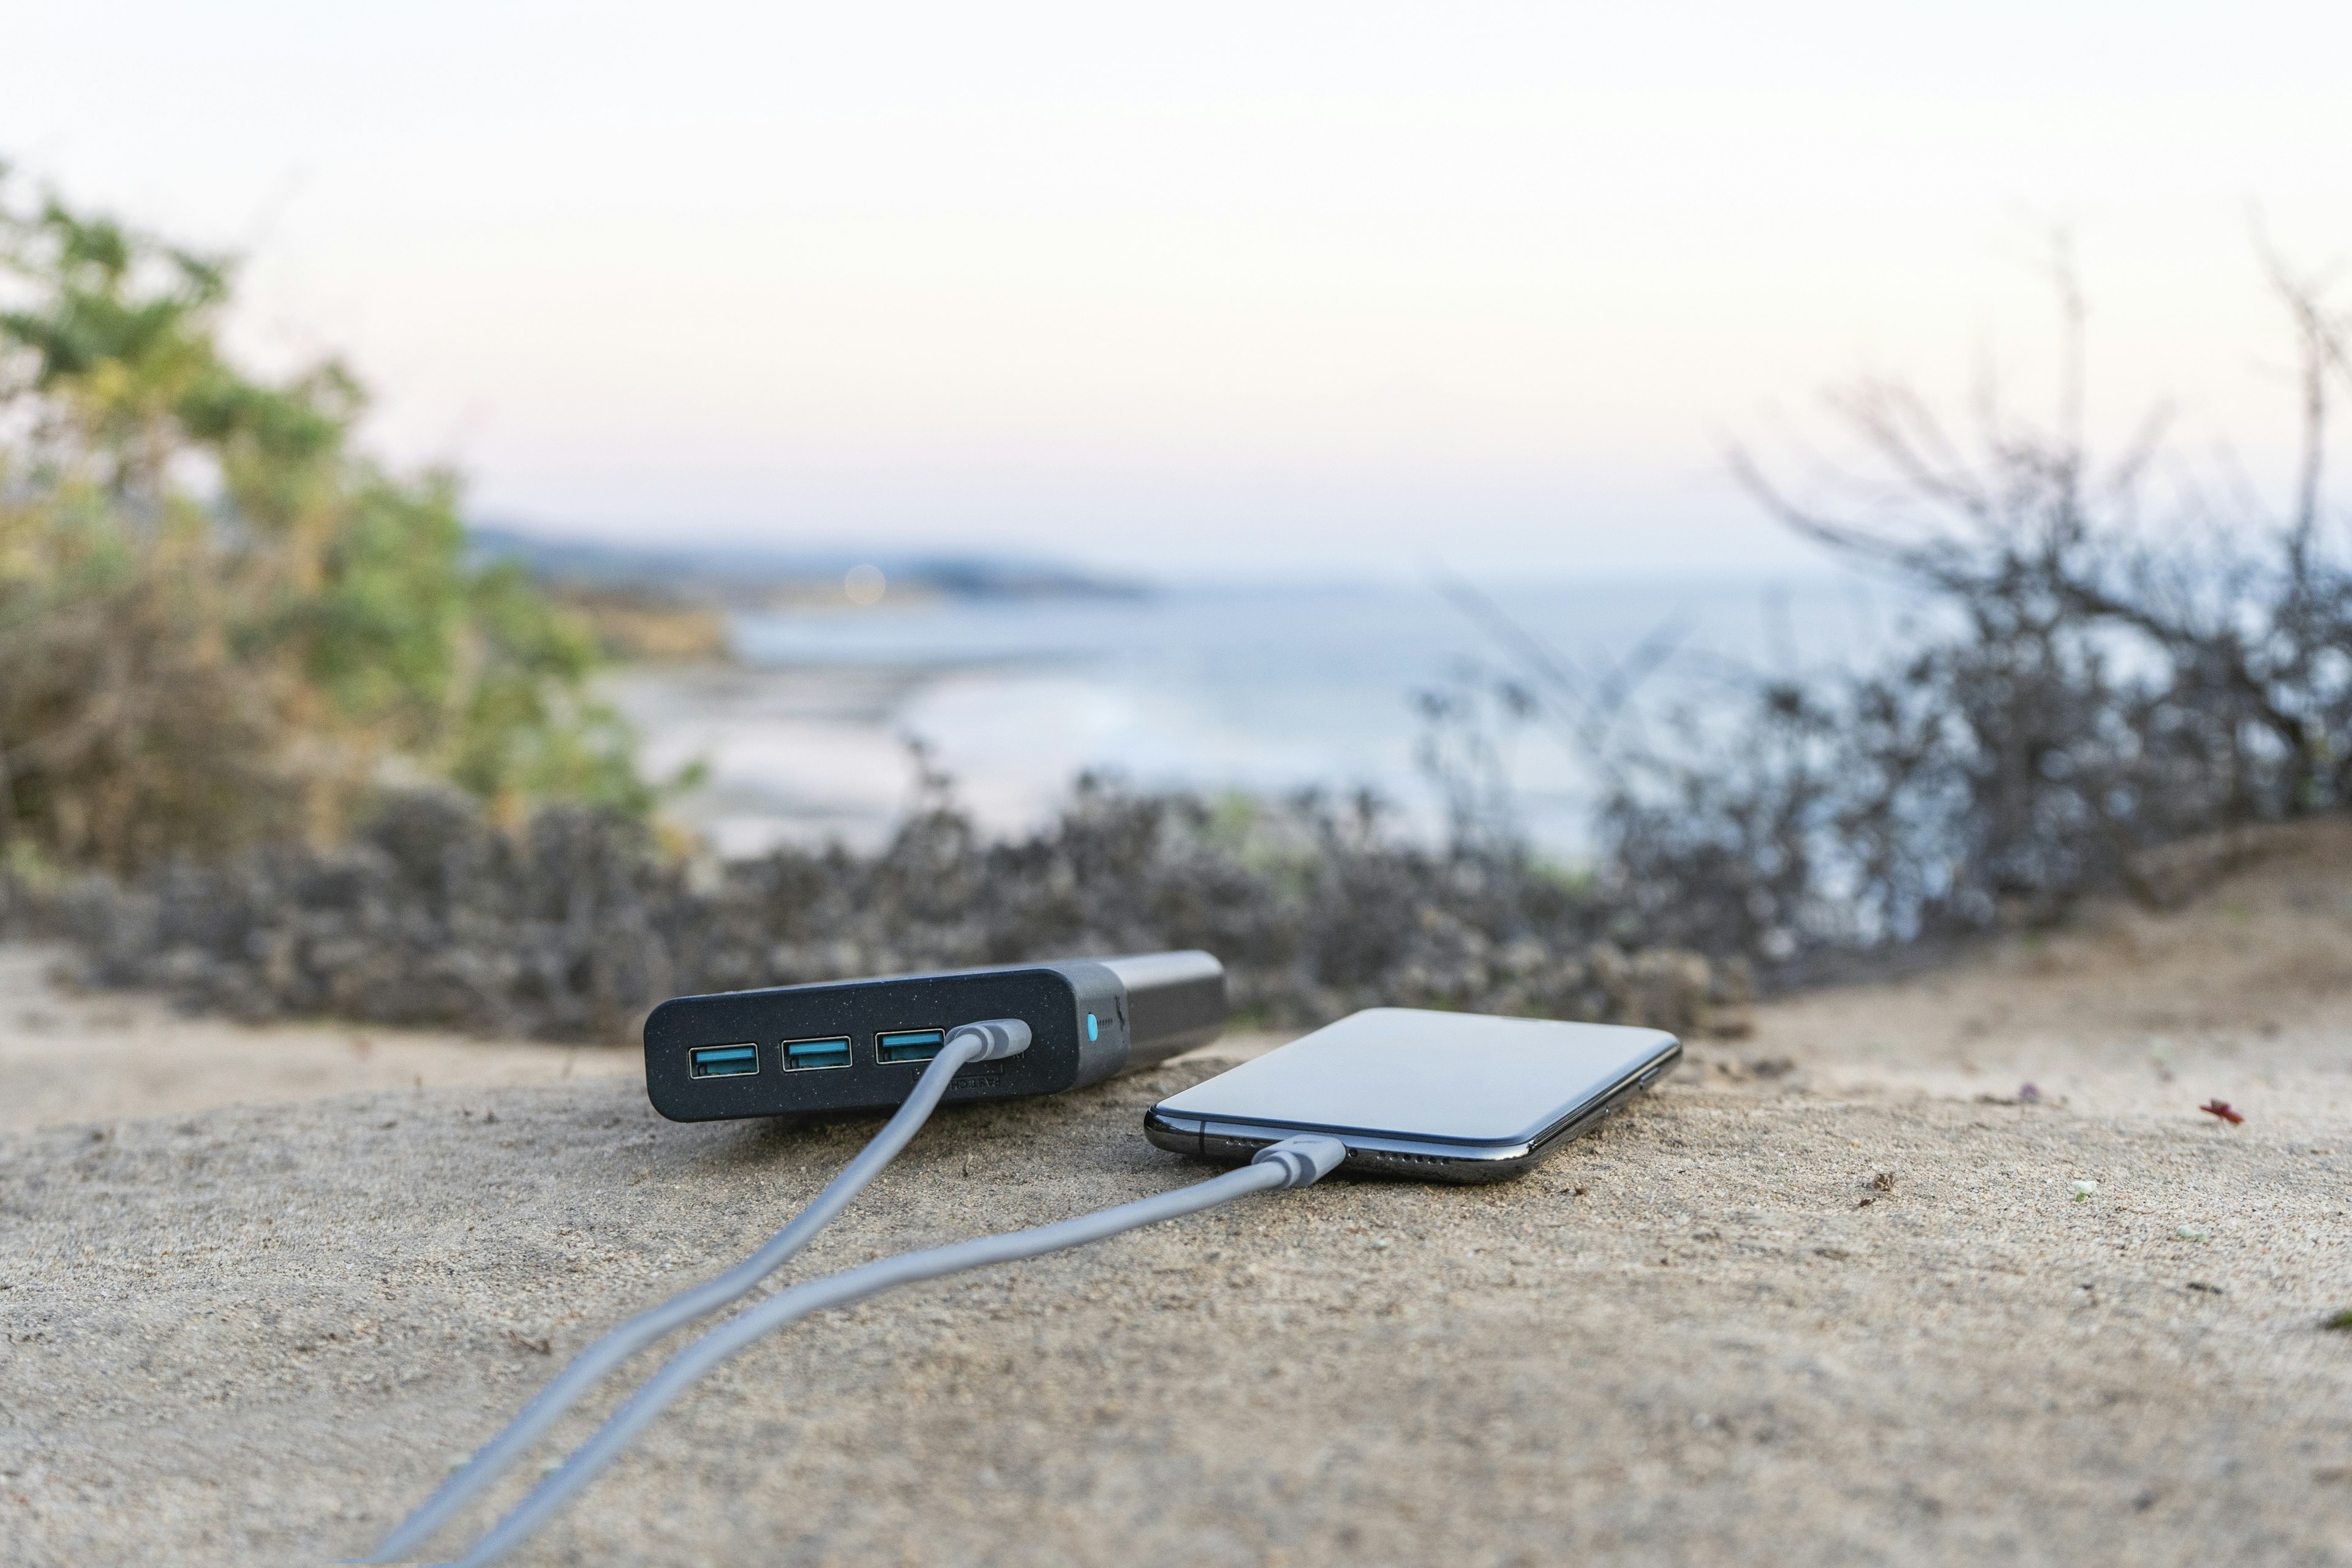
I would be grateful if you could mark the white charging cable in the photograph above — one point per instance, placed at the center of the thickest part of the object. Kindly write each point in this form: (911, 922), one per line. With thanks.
(991, 1040)
(1293, 1162)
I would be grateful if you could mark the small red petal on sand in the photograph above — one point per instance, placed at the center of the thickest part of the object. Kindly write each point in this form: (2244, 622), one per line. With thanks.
(2220, 1107)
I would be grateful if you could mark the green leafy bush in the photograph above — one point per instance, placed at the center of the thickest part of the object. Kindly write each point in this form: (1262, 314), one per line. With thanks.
(218, 620)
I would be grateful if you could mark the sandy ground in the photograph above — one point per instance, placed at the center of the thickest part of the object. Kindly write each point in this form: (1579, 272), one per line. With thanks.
(1829, 1292)
(67, 1058)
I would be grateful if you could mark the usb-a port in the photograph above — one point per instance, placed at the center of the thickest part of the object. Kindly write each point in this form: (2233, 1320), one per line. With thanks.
(722, 1061)
(909, 1045)
(801, 1054)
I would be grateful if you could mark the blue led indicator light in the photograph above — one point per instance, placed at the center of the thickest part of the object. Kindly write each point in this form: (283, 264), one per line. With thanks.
(1093, 1030)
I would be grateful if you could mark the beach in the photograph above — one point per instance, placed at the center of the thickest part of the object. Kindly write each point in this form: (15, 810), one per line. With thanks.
(1260, 690)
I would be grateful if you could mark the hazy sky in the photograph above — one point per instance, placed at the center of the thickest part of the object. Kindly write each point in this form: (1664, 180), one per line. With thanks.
(1201, 287)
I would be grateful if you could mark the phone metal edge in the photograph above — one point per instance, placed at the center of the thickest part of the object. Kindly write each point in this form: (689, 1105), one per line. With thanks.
(1428, 1159)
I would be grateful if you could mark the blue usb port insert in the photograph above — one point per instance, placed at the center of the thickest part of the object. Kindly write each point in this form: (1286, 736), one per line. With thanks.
(802, 1055)
(909, 1045)
(722, 1061)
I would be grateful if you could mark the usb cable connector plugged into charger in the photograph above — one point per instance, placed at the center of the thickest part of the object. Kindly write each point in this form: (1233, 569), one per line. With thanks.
(1448, 1097)
(993, 1039)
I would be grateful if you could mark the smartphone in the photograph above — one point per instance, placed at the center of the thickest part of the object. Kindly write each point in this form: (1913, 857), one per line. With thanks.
(1444, 1096)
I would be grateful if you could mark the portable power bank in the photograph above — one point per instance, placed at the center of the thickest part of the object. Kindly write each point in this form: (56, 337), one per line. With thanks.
(858, 1045)
(1446, 1097)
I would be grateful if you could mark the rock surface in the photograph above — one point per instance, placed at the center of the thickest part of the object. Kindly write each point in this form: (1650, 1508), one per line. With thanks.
(1830, 1294)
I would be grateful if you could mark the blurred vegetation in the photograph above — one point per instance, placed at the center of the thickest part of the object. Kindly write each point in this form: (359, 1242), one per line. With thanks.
(220, 622)
(648, 624)
(327, 765)
(2121, 664)
(573, 926)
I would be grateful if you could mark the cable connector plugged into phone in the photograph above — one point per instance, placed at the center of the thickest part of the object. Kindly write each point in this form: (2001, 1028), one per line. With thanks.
(1303, 1161)
(1291, 1163)
(1440, 1095)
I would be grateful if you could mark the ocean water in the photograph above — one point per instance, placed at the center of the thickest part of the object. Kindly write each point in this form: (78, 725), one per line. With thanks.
(1262, 688)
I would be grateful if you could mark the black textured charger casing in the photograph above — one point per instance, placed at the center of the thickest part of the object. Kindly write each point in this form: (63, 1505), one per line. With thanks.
(1146, 1008)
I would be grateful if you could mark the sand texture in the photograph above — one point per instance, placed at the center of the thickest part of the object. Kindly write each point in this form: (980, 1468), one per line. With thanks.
(1828, 1294)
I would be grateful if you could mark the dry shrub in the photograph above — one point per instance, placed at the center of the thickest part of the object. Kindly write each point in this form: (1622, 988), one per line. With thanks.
(129, 727)
(572, 927)
(2107, 664)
